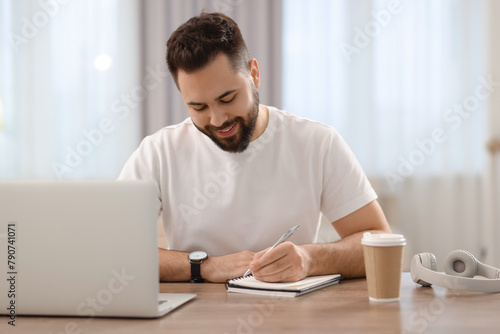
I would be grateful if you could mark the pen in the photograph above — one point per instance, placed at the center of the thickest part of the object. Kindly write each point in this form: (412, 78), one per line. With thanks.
(282, 239)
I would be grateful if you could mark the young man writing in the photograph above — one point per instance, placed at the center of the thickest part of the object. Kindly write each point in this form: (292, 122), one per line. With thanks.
(235, 175)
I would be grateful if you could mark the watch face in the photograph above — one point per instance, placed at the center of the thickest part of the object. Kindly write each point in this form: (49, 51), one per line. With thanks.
(198, 255)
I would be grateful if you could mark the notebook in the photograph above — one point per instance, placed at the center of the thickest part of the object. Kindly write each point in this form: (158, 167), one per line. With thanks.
(250, 285)
(81, 248)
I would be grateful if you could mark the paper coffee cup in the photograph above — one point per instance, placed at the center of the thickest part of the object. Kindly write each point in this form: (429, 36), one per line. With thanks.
(383, 262)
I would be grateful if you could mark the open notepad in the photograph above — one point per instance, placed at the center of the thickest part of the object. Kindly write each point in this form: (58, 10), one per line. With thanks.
(249, 284)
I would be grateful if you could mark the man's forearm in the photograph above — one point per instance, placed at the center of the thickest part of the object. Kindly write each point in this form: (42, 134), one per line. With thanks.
(175, 266)
(343, 257)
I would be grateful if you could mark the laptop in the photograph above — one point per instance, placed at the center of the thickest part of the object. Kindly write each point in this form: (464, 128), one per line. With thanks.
(81, 248)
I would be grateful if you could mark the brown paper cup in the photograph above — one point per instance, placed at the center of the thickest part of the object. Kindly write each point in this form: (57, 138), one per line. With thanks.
(383, 262)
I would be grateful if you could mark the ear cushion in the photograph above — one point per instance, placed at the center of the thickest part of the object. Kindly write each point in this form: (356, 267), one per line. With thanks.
(461, 263)
(428, 260)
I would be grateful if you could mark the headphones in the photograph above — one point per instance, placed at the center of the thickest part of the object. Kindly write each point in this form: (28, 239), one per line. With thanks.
(460, 268)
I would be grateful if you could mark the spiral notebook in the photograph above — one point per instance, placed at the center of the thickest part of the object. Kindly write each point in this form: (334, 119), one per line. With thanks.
(250, 285)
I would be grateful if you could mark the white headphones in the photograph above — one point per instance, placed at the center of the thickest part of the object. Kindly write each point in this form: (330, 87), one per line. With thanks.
(460, 268)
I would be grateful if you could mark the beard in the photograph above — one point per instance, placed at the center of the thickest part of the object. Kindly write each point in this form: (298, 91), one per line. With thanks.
(238, 142)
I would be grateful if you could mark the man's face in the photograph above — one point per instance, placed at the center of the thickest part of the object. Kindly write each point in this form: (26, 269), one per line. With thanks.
(223, 104)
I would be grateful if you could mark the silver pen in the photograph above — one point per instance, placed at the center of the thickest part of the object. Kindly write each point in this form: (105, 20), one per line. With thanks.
(282, 239)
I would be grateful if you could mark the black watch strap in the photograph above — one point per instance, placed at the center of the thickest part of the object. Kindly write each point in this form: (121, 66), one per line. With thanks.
(195, 272)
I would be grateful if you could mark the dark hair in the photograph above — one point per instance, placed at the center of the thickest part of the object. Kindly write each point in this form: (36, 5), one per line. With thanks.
(201, 39)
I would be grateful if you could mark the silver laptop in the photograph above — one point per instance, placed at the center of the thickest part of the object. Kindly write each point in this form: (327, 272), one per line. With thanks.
(81, 248)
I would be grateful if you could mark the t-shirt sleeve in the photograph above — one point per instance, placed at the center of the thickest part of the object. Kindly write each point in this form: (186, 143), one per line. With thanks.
(143, 164)
(345, 185)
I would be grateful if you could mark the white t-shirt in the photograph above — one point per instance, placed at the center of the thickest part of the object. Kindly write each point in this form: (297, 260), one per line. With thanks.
(223, 202)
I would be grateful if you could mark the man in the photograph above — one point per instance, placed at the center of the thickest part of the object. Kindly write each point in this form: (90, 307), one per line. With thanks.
(236, 175)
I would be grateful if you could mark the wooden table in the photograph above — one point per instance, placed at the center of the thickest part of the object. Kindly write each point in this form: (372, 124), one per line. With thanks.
(344, 308)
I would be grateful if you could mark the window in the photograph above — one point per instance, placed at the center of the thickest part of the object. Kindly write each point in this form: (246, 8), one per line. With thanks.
(69, 69)
(398, 79)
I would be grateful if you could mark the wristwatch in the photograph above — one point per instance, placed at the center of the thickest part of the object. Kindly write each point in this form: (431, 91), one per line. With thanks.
(196, 258)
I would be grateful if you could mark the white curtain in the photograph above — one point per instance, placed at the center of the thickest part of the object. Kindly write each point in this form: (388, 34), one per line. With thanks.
(70, 88)
(407, 85)
(260, 24)
(492, 181)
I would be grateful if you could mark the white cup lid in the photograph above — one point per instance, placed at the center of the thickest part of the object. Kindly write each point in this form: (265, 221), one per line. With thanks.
(383, 240)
